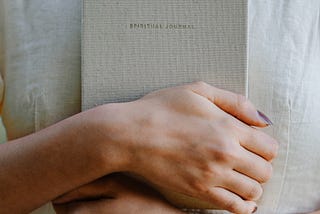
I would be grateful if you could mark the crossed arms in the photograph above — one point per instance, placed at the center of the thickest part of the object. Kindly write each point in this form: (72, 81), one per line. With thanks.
(194, 139)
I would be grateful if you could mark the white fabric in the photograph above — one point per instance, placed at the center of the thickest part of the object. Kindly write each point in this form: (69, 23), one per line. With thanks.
(42, 63)
(41, 41)
(41, 70)
(284, 77)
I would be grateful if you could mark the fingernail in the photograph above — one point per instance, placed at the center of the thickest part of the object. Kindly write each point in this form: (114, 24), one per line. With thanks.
(264, 118)
(255, 209)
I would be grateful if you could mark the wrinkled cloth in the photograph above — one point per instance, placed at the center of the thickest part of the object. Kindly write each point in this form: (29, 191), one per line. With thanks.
(40, 85)
(284, 77)
(41, 63)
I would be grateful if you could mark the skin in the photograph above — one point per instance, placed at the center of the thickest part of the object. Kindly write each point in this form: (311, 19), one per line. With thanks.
(221, 158)
(114, 194)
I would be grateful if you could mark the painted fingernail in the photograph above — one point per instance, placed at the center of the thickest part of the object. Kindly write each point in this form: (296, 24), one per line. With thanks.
(264, 118)
(255, 209)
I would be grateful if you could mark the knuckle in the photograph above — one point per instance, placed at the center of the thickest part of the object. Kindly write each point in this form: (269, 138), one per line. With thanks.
(271, 145)
(200, 85)
(272, 152)
(200, 187)
(255, 192)
(227, 122)
(217, 173)
(274, 149)
(243, 102)
(226, 154)
(208, 173)
(203, 183)
(223, 128)
(233, 206)
(267, 173)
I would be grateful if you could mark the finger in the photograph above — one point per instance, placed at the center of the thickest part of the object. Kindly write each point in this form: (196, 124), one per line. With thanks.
(102, 187)
(254, 166)
(82, 193)
(129, 205)
(231, 202)
(104, 206)
(243, 186)
(235, 104)
(257, 142)
(110, 186)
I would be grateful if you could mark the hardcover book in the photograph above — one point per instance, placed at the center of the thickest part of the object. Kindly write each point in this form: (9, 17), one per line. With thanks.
(130, 48)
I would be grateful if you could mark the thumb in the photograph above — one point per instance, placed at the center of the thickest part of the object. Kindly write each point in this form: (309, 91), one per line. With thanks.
(235, 104)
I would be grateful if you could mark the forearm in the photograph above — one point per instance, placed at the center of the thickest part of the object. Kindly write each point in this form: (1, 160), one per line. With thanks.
(186, 133)
(114, 194)
(41, 166)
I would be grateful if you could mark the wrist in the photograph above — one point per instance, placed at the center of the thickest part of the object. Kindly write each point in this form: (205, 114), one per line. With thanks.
(108, 131)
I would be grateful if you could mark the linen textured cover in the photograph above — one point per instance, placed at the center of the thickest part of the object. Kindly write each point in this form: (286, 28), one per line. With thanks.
(130, 48)
(40, 69)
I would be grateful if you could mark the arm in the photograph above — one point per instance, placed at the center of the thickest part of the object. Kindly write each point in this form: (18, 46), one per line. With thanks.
(234, 104)
(39, 167)
(186, 133)
(114, 194)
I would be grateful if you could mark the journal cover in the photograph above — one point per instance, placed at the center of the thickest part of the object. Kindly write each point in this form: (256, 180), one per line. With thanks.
(130, 48)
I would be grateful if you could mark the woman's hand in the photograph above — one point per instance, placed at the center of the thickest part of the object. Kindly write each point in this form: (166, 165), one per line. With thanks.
(113, 194)
(184, 139)
(197, 140)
